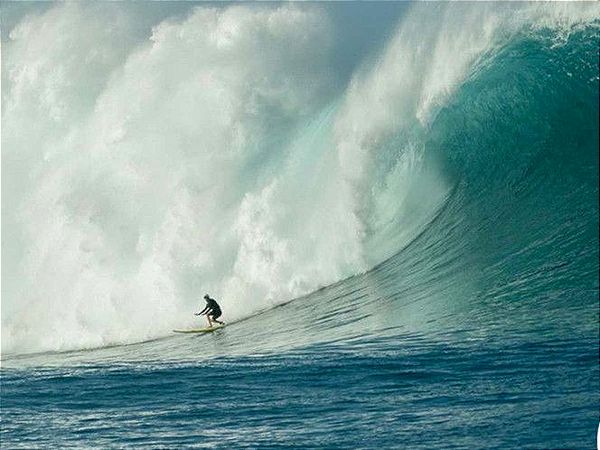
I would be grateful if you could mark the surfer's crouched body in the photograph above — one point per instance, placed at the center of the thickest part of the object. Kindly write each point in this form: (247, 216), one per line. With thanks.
(212, 310)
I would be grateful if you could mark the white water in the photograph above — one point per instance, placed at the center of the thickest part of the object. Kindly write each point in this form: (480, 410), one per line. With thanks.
(216, 156)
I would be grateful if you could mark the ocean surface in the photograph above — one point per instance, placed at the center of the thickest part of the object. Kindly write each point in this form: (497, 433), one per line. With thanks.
(401, 228)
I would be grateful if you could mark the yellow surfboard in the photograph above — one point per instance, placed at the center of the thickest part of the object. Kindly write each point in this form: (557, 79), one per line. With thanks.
(200, 330)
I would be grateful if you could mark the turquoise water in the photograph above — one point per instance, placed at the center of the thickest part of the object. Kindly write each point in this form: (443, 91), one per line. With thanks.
(473, 325)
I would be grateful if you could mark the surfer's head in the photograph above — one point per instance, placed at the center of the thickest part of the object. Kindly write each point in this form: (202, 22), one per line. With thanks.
(206, 297)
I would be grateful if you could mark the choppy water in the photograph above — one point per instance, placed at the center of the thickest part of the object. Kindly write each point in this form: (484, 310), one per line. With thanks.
(450, 210)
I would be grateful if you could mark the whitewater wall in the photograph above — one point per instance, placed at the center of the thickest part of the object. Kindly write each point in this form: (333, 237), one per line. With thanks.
(221, 155)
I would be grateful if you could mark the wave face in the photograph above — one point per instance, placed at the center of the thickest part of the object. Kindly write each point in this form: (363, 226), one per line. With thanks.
(227, 153)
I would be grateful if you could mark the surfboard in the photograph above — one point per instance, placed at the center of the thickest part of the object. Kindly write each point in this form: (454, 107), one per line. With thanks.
(200, 330)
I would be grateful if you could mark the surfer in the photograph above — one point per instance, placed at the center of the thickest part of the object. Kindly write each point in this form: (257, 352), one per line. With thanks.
(212, 310)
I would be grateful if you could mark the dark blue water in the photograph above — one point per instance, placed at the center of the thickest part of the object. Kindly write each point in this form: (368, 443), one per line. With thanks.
(407, 391)
(482, 332)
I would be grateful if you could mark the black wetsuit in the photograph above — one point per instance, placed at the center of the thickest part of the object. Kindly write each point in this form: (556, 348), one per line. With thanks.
(212, 308)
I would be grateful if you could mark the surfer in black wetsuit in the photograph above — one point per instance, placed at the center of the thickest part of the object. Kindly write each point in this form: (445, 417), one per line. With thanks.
(212, 310)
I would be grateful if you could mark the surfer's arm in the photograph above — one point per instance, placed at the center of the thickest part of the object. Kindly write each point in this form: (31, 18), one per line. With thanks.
(205, 310)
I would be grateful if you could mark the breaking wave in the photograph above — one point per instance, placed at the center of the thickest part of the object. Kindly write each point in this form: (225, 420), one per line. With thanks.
(226, 154)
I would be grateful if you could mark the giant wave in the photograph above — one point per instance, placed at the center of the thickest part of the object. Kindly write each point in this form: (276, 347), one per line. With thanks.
(225, 154)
